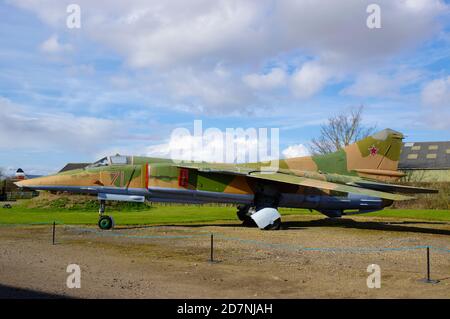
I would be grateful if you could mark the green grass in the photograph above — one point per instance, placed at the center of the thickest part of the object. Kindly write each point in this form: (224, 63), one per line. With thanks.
(21, 214)
(426, 214)
(154, 215)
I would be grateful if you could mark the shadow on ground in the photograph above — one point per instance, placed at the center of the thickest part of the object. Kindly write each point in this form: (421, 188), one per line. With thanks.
(384, 226)
(397, 226)
(8, 292)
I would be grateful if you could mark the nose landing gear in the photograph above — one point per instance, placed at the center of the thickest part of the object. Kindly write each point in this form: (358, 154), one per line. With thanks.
(105, 222)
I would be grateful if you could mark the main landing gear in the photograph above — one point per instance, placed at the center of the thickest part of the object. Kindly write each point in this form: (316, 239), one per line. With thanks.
(244, 214)
(105, 222)
(265, 218)
(263, 213)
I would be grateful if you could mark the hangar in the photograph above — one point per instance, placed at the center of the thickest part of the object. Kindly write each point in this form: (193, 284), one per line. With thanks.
(426, 161)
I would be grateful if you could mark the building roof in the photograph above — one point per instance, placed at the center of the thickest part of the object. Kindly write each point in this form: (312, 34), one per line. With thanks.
(72, 166)
(425, 155)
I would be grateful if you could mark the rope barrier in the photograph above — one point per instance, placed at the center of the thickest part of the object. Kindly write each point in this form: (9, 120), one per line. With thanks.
(259, 243)
(201, 233)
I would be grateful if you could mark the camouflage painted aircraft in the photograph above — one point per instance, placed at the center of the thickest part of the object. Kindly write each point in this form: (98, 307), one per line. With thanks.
(353, 180)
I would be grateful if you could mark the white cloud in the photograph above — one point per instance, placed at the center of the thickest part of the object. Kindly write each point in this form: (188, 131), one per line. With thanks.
(436, 98)
(203, 36)
(310, 79)
(23, 128)
(213, 146)
(380, 85)
(437, 93)
(297, 150)
(417, 5)
(52, 45)
(155, 33)
(275, 78)
(207, 92)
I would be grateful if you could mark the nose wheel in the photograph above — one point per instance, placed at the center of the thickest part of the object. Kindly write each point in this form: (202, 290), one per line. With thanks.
(105, 222)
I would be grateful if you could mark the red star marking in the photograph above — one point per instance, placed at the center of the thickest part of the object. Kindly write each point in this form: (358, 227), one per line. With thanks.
(373, 150)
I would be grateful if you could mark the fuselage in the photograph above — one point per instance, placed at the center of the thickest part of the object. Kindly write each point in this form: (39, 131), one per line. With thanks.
(134, 178)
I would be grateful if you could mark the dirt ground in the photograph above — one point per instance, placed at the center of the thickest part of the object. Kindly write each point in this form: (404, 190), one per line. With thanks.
(311, 257)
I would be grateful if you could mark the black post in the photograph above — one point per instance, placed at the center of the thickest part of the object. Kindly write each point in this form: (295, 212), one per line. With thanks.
(428, 263)
(54, 225)
(428, 279)
(212, 248)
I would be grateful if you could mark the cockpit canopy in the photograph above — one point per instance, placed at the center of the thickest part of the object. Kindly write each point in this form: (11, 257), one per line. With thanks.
(112, 160)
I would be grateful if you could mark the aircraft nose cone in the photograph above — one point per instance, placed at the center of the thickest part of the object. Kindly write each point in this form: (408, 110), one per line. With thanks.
(18, 184)
(50, 182)
(34, 183)
(24, 183)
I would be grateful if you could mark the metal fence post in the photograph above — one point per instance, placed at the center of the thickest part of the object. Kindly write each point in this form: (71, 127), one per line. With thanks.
(212, 248)
(428, 279)
(428, 263)
(54, 226)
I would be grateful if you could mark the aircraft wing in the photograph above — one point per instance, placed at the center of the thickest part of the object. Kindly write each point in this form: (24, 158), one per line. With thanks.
(309, 182)
(296, 180)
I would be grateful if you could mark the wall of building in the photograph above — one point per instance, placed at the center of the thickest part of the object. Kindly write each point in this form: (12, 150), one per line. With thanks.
(10, 192)
(427, 175)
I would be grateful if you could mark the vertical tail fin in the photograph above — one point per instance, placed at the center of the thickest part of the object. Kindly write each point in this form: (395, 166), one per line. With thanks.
(376, 156)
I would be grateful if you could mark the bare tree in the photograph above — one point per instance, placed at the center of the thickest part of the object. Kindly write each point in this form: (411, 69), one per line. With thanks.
(340, 131)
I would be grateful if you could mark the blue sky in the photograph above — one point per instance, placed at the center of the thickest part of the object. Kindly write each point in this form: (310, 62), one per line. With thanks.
(136, 70)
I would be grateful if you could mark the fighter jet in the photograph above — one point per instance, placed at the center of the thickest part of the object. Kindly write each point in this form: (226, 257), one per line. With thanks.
(354, 180)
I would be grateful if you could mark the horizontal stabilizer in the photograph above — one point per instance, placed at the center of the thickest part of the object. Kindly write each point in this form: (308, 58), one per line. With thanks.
(394, 188)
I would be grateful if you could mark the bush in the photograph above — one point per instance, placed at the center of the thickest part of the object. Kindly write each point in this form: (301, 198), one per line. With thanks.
(79, 202)
(428, 201)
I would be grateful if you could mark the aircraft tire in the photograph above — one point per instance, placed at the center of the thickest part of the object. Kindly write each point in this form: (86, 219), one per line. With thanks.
(105, 223)
(248, 222)
(275, 226)
(244, 212)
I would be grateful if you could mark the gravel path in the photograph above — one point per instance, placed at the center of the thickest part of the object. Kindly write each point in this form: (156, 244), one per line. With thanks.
(310, 258)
